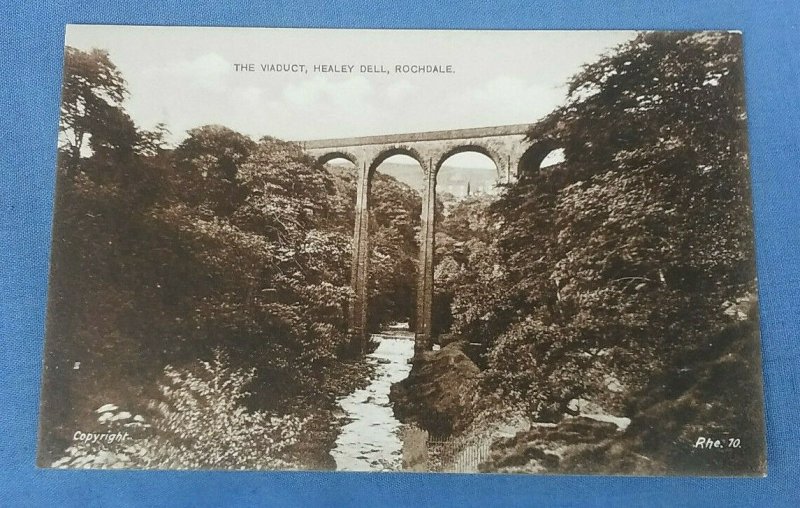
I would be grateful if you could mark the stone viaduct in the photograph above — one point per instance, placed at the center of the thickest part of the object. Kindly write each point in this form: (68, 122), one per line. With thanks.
(513, 156)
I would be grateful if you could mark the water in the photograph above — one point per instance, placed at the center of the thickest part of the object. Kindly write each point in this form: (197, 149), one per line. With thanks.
(370, 441)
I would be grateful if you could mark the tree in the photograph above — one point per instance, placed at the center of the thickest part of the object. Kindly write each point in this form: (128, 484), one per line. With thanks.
(207, 163)
(153, 143)
(214, 151)
(223, 243)
(622, 258)
(466, 268)
(394, 226)
(91, 106)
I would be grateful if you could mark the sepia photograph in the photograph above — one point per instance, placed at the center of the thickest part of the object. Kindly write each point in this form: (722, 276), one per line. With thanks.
(403, 250)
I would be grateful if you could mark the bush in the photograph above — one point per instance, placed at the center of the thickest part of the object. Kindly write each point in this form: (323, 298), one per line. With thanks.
(200, 423)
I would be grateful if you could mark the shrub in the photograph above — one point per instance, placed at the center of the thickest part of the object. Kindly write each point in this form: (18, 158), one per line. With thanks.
(200, 423)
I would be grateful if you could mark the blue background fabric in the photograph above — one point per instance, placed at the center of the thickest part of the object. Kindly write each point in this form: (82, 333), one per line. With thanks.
(31, 40)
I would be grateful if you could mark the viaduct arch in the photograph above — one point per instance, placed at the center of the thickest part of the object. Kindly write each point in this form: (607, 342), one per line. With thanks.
(507, 146)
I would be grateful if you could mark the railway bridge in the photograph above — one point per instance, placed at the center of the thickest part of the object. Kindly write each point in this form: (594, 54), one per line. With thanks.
(508, 146)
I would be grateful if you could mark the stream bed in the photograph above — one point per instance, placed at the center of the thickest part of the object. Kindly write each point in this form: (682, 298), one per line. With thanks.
(370, 439)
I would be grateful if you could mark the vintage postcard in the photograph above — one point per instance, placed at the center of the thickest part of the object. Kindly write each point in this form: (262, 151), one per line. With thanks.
(403, 250)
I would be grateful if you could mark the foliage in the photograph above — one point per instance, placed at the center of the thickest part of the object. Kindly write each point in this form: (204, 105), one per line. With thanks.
(394, 225)
(91, 106)
(201, 422)
(623, 257)
(207, 163)
(701, 392)
(466, 268)
(394, 228)
(222, 242)
(622, 277)
(617, 264)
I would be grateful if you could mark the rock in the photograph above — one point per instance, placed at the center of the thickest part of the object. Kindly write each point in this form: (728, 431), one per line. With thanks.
(543, 447)
(438, 393)
(583, 406)
(741, 308)
(621, 422)
(698, 388)
(124, 415)
(613, 384)
(593, 411)
(446, 339)
(106, 408)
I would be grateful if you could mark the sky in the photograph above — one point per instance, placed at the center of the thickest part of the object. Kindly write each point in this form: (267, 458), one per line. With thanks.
(186, 77)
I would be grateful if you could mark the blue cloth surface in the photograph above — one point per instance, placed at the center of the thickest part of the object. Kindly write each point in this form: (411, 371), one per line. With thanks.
(31, 39)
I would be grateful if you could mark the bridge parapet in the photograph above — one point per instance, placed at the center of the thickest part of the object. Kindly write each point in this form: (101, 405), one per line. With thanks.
(388, 139)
